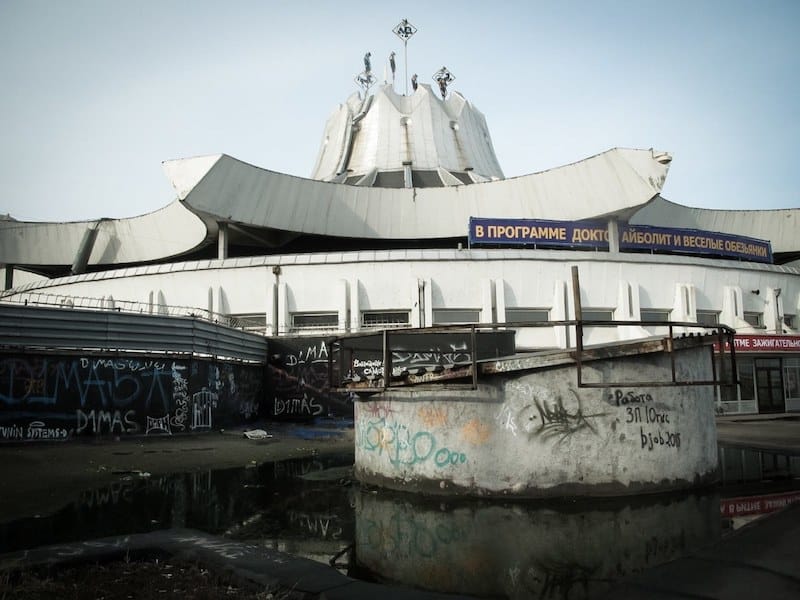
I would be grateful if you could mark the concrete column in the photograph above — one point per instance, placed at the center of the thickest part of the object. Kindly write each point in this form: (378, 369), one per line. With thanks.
(500, 300)
(773, 310)
(428, 295)
(342, 304)
(417, 302)
(222, 241)
(613, 236)
(271, 307)
(283, 309)
(81, 259)
(355, 305)
(684, 306)
(8, 272)
(564, 335)
(487, 301)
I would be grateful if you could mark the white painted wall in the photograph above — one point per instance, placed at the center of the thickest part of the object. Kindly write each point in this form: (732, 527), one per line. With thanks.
(458, 279)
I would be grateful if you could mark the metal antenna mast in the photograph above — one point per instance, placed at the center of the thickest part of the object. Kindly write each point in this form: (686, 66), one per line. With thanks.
(404, 30)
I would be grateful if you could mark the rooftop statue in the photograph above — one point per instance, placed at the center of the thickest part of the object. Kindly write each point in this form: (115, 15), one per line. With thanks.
(444, 78)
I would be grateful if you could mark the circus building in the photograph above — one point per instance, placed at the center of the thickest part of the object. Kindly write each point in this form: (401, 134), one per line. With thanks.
(408, 221)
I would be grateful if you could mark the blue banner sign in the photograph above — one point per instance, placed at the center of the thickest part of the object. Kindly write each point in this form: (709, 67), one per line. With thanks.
(594, 234)
(585, 234)
(694, 241)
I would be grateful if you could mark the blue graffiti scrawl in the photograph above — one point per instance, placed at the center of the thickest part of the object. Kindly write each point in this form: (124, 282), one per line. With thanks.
(58, 397)
(404, 447)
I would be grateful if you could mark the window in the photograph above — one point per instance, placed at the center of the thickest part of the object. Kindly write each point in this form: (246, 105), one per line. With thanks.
(307, 321)
(454, 316)
(250, 322)
(655, 315)
(789, 321)
(747, 388)
(527, 315)
(728, 393)
(755, 319)
(598, 314)
(791, 378)
(707, 317)
(387, 318)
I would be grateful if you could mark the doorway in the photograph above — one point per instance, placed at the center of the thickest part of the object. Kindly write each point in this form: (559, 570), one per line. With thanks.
(769, 385)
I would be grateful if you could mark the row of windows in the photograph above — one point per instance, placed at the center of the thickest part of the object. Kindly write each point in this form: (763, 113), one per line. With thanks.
(326, 321)
(759, 378)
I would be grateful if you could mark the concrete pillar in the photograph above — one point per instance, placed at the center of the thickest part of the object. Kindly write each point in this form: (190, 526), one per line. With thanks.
(222, 241)
(487, 301)
(428, 306)
(8, 276)
(684, 307)
(564, 336)
(417, 302)
(773, 310)
(732, 313)
(613, 236)
(271, 308)
(283, 309)
(355, 305)
(500, 300)
(342, 304)
(81, 259)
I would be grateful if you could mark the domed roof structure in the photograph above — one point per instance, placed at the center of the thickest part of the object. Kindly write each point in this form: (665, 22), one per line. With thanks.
(394, 141)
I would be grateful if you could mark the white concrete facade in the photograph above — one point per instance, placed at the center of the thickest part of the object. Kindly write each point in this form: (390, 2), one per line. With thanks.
(342, 289)
(223, 202)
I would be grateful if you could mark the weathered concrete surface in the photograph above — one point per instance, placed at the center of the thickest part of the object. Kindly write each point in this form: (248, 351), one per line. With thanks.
(535, 433)
(531, 550)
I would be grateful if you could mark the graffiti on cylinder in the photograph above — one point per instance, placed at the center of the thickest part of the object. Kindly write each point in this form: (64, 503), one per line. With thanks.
(403, 446)
(542, 413)
(656, 425)
(55, 397)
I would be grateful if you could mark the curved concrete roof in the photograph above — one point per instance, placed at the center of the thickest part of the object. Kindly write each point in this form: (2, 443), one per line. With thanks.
(167, 232)
(616, 182)
(779, 226)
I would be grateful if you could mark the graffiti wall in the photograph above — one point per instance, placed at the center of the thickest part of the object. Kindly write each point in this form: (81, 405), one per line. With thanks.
(300, 376)
(298, 380)
(536, 433)
(57, 396)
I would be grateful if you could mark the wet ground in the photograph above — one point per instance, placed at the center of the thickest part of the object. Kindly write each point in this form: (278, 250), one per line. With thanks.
(309, 506)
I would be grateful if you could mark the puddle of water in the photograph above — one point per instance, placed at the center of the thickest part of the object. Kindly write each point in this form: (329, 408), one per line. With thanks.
(310, 507)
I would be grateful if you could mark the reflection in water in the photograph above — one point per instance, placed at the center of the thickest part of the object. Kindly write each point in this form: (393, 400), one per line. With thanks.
(755, 483)
(216, 502)
(309, 508)
(573, 550)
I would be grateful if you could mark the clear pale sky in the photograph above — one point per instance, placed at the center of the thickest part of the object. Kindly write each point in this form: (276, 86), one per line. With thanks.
(97, 93)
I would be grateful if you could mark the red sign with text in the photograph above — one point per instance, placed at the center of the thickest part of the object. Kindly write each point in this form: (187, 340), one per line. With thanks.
(764, 343)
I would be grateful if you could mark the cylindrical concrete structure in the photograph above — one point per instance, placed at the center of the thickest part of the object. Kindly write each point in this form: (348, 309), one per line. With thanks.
(535, 433)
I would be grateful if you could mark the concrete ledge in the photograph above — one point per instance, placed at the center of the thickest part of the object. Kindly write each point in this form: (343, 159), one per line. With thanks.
(247, 562)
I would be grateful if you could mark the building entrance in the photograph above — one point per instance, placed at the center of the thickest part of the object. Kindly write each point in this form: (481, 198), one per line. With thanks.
(769, 385)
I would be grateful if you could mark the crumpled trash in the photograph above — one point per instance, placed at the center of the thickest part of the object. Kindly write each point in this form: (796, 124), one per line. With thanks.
(257, 434)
